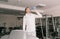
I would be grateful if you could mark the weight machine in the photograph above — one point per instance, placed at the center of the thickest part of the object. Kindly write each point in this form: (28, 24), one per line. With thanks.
(46, 20)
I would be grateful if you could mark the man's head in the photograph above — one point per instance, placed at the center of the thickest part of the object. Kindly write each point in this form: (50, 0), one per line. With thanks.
(27, 10)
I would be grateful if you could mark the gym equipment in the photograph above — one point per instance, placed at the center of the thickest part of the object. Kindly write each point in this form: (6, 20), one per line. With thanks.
(20, 34)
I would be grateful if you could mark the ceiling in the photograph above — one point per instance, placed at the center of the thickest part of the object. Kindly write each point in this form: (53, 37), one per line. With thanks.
(24, 3)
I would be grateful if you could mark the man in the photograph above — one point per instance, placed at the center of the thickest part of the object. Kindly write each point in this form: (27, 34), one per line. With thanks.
(29, 22)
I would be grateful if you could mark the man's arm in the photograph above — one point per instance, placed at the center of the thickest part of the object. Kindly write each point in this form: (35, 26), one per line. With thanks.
(23, 23)
(38, 14)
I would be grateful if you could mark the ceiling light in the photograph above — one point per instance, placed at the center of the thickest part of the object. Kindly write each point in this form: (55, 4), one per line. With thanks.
(42, 5)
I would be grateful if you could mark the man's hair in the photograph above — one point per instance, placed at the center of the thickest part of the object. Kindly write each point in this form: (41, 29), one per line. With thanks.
(26, 9)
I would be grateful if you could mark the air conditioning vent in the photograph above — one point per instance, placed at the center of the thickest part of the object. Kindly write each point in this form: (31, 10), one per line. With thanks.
(4, 0)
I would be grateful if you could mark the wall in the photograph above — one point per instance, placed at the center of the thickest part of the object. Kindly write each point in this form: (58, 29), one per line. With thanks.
(10, 20)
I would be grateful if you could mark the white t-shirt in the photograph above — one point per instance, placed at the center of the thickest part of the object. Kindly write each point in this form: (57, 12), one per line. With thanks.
(29, 21)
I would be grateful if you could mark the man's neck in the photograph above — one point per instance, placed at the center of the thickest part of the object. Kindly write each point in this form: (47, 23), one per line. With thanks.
(28, 13)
